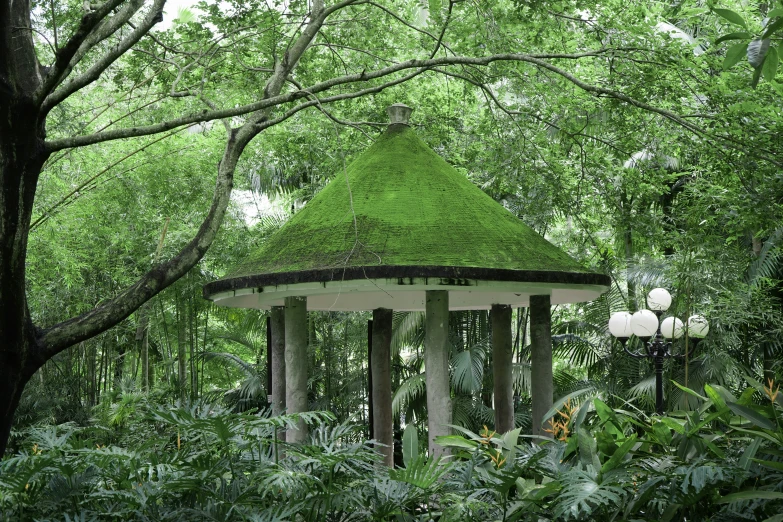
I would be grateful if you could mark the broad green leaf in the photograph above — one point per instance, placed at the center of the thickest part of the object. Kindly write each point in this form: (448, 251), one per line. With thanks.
(410, 444)
(749, 453)
(709, 418)
(730, 16)
(560, 402)
(773, 28)
(618, 456)
(775, 13)
(774, 518)
(758, 433)
(743, 35)
(511, 438)
(713, 448)
(753, 494)
(456, 441)
(756, 76)
(689, 391)
(735, 53)
(662, 433)
(715, 397)
(770, 464)
(751, 415)
(770, 67)
(673, 424)
(746, 398)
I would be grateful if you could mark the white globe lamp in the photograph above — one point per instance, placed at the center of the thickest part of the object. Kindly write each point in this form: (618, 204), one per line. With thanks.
(698, 327)
(620, 325)
(672, 328)
(659, 299)
(644, 324)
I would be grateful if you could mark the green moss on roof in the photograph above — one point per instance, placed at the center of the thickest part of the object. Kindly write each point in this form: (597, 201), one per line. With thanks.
(412, 209)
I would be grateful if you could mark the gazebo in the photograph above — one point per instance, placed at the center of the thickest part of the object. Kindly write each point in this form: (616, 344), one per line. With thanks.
(401, 229)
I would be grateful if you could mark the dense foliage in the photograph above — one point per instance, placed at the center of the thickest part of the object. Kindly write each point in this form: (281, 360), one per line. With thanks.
(643, 139)
(720, 461)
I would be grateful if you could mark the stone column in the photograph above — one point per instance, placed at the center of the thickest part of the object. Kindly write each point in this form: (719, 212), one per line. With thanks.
(542, 388)
(436, 366)
(296, 363)
(380, 368)
(277, 327)
(501, 368)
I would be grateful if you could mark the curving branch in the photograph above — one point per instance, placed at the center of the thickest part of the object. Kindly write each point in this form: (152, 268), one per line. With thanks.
(58, 337)
(92, 74)
(87, 35)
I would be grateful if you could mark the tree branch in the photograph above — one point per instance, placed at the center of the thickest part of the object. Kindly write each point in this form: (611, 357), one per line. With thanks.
(58, 337)
(539, 60)
(62, 63)
(106, 60)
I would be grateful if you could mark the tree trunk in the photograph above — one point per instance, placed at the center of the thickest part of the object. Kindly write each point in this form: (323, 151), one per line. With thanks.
(436, 367)
(380, 368)
(502, 360)
(542, 387)
(296, 362)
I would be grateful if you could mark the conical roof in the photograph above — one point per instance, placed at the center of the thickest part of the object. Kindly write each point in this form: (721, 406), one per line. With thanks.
(403, 222)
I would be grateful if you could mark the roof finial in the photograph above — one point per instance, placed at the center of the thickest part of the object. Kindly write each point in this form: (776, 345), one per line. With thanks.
(399, 113)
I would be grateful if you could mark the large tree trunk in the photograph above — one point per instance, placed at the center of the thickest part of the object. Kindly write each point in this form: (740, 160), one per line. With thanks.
(22, 154)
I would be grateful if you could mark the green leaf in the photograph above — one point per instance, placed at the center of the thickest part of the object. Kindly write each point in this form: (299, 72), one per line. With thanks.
(752, 494)
(775, 13)
(618, 456)
(753, 416)
(749, 453)
(410, 444)
(772, 28)
(715, 449)
(673, 424)
(689, 391)
(709, 418)
(755, 80)
(731, 16)
(456, 441)
(662, 433)
(735, 53)
(734, 36)
(770, 68)
(770, 464)
(774, 518)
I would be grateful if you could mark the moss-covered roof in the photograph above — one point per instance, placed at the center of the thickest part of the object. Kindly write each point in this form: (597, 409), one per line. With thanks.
(411, 209)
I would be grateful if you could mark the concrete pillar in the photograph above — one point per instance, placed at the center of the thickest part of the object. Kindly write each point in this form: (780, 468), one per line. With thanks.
(436, 366)
(380, 368)
(542, 388)
(501, 368)
(296, 363)
(277, 338)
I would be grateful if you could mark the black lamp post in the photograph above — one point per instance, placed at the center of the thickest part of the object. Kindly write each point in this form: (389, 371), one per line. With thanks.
(657, 336)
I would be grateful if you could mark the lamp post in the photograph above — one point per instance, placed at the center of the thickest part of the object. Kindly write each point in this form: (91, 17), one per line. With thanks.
(657, 336)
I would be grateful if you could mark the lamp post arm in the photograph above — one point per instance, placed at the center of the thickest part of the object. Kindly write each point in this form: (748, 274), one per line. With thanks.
(636, 355)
